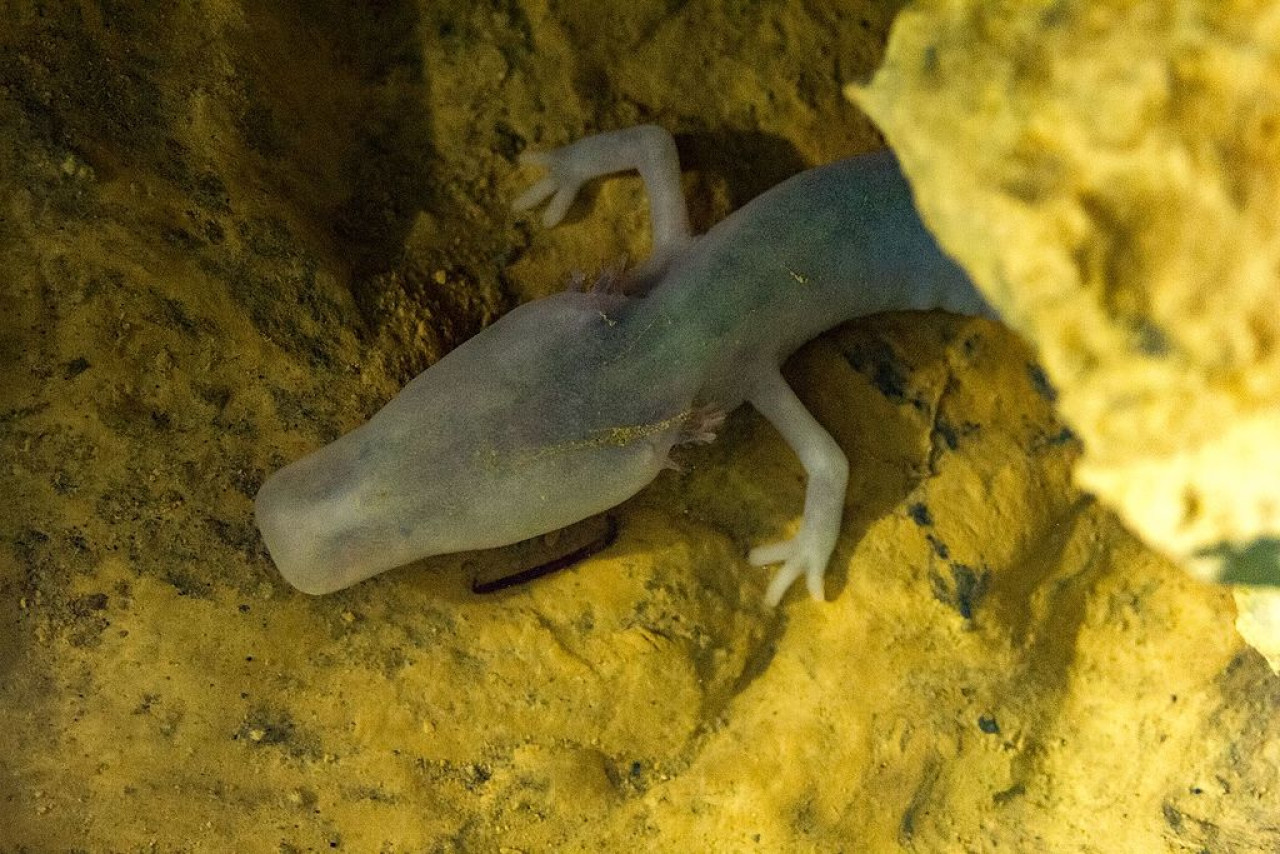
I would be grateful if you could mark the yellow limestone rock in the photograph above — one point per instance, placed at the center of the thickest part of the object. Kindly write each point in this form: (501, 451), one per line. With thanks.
(1259, 621)
(1108, 172)
(223, 228)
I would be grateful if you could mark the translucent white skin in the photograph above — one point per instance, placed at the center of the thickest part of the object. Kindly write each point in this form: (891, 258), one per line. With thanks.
(569, 405)
(497, 442)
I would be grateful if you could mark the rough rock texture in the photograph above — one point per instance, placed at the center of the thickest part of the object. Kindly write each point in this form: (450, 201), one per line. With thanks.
(1109, 172)
(230, 231)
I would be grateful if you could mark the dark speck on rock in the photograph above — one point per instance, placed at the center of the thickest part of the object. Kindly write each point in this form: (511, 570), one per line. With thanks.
(509, 142)
(1040, 382)
(963, 591)
(75, 367)
(920, 514)
(880, 364)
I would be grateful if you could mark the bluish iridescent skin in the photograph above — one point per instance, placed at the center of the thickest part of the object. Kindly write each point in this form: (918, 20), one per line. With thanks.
(569, 405)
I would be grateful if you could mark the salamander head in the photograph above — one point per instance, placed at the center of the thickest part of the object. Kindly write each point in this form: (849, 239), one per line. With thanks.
(522, 430)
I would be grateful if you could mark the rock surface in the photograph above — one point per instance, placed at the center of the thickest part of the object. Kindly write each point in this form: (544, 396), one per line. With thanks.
(231, 231)
(1109, 172)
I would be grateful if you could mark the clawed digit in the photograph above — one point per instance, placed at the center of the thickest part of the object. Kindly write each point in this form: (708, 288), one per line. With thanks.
(797, 560)
(560, 185)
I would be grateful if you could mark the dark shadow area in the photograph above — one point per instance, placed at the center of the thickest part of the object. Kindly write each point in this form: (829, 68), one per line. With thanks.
(749, 163)
(88, 86)
(332, 93)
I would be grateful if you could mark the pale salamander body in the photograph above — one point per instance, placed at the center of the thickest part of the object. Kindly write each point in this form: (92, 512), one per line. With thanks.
(569, 405)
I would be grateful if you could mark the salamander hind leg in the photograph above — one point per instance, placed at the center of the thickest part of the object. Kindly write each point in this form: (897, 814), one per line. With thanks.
(700, 426)
(809, 551)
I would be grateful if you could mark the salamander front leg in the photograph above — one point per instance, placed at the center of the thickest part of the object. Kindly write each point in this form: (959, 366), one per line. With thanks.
(648, 149)
(809, 551)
